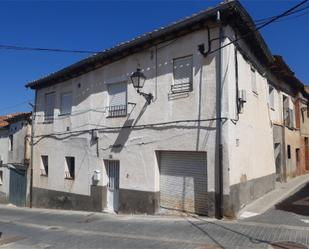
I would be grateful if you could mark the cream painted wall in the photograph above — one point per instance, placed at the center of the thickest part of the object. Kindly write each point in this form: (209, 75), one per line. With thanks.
(250, 141)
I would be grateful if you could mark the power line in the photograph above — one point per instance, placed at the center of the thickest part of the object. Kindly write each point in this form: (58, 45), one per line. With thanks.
(13, 106)
(291, 13)
(293, 17)
(285, 13)
(263, 22)
(58, 50)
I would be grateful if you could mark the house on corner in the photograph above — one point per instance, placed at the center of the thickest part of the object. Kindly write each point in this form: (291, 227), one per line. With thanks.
(197, 137)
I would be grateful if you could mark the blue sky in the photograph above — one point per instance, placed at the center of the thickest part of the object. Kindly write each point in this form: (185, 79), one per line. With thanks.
(96, 25)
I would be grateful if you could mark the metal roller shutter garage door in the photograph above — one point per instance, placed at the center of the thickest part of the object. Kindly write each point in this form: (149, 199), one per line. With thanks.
(183, 181)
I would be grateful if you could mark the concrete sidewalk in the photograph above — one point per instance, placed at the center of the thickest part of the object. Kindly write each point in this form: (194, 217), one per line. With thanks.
(281, 192)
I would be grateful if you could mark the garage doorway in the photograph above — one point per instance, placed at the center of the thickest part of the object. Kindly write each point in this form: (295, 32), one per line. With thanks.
(183, 181)
(18, 187)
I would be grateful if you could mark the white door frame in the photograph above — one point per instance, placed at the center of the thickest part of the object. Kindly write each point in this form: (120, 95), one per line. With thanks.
(112, 170)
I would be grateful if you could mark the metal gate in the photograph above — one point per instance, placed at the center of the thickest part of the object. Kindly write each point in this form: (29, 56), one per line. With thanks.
(183, 181)
(18, 187)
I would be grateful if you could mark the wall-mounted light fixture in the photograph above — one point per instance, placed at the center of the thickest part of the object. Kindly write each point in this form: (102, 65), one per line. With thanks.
(138, 80)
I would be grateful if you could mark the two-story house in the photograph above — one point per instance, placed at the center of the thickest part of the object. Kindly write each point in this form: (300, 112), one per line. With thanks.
(15, 154)
(196, 138)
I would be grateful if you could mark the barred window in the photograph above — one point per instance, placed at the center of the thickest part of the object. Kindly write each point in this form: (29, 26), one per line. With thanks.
(117, 99)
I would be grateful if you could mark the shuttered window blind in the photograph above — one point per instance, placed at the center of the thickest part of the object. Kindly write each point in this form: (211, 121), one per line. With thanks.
(49, 105)
(271, 97)
(66, 103)
(253, 81)
(182, 70)
(117, 99)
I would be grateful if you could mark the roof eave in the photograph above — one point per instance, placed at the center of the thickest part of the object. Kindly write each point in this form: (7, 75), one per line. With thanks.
(149, 39)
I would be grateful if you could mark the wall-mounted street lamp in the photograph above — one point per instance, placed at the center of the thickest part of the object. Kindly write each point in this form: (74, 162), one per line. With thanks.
(138, 80)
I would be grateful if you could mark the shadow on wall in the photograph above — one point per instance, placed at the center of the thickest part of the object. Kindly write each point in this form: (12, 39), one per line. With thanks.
(298, 203)
(124, 132)
(122, 137)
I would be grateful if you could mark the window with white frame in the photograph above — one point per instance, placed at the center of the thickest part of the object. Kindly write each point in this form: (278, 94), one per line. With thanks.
(44, 166)
(272, 97)
(1, 177)
(49, 106)
(66, 103)
(183, 74)
(69, 168)
(253, 81)
(117, 99)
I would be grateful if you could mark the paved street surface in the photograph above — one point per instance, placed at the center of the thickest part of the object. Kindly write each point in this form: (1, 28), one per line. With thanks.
(38, 228)
(293, 211)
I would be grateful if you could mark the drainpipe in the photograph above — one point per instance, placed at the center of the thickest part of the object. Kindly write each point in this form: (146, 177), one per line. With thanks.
(219, 207)
(219, 146)
(32, 152)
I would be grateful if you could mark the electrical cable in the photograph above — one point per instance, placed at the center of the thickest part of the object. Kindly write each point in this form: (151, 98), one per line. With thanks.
(16, 105)
(58, 50)
(262, 20)
(142, 126)
(262, 26)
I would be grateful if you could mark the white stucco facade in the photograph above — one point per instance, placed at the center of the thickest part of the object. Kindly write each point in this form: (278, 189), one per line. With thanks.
(135, 148)
(183, 122)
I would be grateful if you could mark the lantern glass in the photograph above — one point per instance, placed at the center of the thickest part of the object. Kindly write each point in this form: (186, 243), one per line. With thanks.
(138, 79)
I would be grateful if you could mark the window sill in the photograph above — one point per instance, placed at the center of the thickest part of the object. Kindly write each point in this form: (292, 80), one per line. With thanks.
(43, 175)
(64, 114)
(48, 122)
(118, 116)
(69, 178)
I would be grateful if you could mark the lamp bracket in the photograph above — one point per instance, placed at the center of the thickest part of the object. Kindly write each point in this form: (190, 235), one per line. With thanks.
(147, 96)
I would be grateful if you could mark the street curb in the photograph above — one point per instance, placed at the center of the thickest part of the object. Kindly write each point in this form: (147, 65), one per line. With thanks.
(276, 196)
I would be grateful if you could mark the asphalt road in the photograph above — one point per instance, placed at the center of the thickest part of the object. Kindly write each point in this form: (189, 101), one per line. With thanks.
(38, 228)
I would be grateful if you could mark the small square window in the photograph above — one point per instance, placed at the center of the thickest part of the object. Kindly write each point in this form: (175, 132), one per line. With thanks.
(44, 166)
(69, 168)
